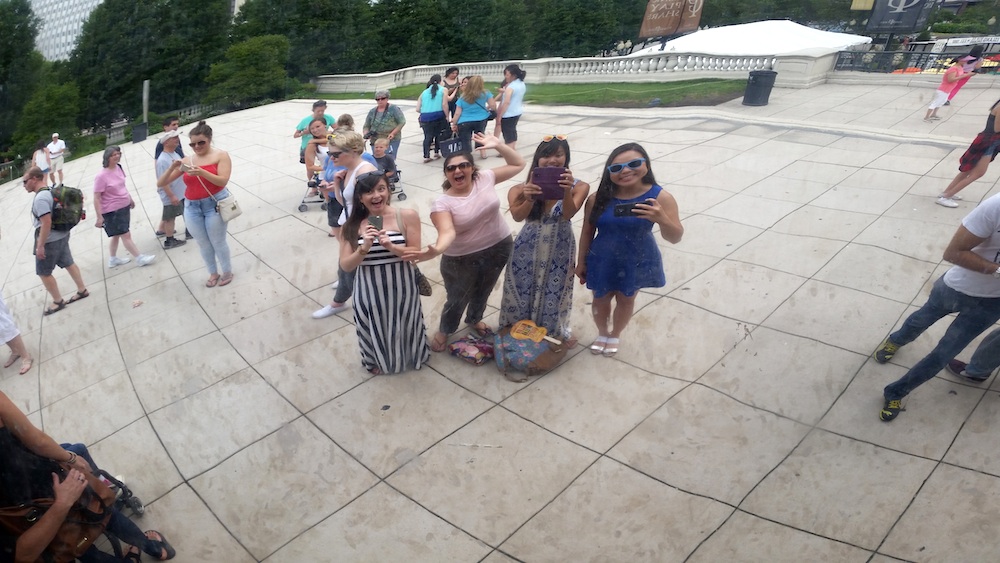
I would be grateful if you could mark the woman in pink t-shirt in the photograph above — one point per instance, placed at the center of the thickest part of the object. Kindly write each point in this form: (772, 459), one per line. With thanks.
(473, 237)
(113, 205)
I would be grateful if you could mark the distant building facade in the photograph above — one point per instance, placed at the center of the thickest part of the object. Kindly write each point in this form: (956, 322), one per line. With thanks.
(62, 22)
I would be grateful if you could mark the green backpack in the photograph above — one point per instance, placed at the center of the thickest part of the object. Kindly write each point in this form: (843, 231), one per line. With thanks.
(67, 208)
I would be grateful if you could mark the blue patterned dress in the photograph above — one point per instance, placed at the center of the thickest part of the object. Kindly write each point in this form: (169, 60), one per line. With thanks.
(538, 284)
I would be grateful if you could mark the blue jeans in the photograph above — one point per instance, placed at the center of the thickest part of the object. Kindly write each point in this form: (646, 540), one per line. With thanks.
(209, 231)
(986, 359)
(119, 526)
(465, 131)
(975, 314)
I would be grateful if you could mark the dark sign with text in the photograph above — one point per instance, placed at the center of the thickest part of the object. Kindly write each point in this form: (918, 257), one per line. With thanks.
(900, 16)
(670, 17)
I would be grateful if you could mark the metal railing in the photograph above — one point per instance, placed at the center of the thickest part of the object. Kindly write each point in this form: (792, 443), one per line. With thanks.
(898, 62)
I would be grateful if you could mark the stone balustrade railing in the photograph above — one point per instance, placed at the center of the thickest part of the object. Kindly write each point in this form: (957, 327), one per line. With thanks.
(658, 67)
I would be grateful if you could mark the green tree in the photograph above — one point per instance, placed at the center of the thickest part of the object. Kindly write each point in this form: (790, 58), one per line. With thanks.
(170, 42)
(253, 70)
(19, 63)
(53, 107)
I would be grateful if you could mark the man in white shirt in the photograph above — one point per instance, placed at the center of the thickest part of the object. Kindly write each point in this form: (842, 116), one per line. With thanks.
(970, 288)
(56, 150)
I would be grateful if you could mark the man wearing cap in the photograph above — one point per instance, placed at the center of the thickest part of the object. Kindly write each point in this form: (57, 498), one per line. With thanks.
(51, 246)
(171, 193)
(319, 112)
(171, 123)
(56, 150)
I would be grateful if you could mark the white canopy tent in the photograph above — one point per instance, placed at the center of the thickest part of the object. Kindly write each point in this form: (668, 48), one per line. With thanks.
(766, 38)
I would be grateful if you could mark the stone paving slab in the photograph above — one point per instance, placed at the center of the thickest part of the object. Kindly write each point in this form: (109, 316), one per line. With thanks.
(739, 420)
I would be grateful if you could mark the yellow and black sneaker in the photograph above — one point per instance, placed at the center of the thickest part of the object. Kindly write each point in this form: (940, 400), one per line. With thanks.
(886, 351)
(890, 410)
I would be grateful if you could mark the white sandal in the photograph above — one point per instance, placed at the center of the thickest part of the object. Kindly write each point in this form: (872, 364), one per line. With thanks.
(598, 346)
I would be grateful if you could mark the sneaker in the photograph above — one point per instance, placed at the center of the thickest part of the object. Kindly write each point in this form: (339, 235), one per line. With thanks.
(172, 242)
(116, 261)
(890, 410)
(934, 118)
(886, 351)
(144, 259)
(161, 234)
(946, 202)
(957, 368)
(330, 311)
(947, 102)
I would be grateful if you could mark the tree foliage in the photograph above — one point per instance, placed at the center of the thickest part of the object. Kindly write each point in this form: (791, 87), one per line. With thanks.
(821, 13)
(173, 43)
(20, 64)
(52, 108)
(253, 70)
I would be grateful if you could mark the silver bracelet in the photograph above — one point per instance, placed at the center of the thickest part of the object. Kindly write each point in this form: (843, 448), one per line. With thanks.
(72, 458)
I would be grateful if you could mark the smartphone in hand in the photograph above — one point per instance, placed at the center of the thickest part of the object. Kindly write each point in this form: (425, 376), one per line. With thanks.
(624, 210)
(375, 221)
(548, 178)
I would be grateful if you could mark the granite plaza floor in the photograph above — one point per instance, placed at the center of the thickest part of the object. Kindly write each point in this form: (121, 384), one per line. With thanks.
(738, 421)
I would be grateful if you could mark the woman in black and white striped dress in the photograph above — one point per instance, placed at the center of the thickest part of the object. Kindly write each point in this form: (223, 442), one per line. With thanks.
(387, 313)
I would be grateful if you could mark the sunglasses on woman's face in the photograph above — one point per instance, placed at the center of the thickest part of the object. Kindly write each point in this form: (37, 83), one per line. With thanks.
(633, 164)
(548, 138)
(197, 144)
(380, 99)
(336, 154)
(460, 166)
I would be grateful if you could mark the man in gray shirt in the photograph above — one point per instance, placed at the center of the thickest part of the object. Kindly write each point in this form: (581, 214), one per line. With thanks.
(51, 246)
(172, 193)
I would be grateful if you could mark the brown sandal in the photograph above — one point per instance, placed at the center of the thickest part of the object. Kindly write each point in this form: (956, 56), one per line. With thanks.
(213, 280)
(226, 279)
(439, 344)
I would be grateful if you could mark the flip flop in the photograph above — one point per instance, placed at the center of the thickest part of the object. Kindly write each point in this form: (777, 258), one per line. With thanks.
(10, 360)
(79, 295)
(164, 545)
(598, 346)
(439, 345)
(226, 279)
(25, 365)
(213, 280)
(133, 554)
(59, 306)
(483, 330)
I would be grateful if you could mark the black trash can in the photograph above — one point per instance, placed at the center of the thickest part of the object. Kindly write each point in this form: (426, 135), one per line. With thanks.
(140, 130)
(759, 87)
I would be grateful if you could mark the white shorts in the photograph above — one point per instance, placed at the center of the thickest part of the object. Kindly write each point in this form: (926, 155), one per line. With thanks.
(57, 163)
(940, 97)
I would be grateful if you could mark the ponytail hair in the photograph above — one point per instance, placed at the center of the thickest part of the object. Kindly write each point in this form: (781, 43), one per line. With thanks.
(516, 71)
(433, 84)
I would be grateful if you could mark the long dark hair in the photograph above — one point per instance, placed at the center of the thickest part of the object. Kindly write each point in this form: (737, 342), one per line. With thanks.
(517, 71)
(468, 155)
(359, 212)
(606, 190)
(545, 149)
(433, 84)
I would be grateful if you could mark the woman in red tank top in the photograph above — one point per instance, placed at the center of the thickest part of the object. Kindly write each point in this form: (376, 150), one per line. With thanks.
(206, 174)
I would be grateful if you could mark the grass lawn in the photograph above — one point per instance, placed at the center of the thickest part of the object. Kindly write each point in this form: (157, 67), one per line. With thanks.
(702, 92)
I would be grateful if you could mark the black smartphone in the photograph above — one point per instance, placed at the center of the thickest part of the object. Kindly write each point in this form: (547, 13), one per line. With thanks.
(624, 209)
(375, 221)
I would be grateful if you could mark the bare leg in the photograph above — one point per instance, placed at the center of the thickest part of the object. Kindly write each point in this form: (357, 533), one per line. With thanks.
(129, 245)
(74, 273)
(52, 176)
(965, 178)
(19, 350)
(601, 309)
(624, 307)
(52, 287)
(167, 227)
(113, 245)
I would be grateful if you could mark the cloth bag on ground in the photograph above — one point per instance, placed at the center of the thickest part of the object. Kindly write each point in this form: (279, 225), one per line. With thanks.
(532, 358)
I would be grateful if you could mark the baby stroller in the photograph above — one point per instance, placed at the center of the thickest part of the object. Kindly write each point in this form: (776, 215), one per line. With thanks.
(309, 198)
(395, 187)
(124, 498)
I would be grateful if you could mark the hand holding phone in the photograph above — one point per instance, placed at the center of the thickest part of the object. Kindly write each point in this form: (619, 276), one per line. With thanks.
(624, 210)
(187, 167)
(547, 178)
(375, 221)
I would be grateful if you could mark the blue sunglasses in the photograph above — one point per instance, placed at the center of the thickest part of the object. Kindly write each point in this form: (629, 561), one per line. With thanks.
(633, 164)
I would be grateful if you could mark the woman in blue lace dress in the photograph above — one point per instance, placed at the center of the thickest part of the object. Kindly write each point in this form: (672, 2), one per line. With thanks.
(538, 284)
(623, 256)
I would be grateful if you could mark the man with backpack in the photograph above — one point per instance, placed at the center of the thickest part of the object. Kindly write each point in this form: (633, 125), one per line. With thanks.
(52, 241)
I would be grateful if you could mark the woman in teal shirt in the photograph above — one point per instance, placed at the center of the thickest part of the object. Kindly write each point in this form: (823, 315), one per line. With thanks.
(474, 105)
(433, 107)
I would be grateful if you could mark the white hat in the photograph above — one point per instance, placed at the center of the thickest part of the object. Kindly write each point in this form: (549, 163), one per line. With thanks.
(169, 135)
(55, 134)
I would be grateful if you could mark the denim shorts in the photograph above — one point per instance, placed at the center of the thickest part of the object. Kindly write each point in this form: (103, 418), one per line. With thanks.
(116, 222)
(170, 211)
(56, 254)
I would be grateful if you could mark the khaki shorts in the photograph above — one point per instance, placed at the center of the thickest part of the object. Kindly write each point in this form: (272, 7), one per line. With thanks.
(57, 163)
